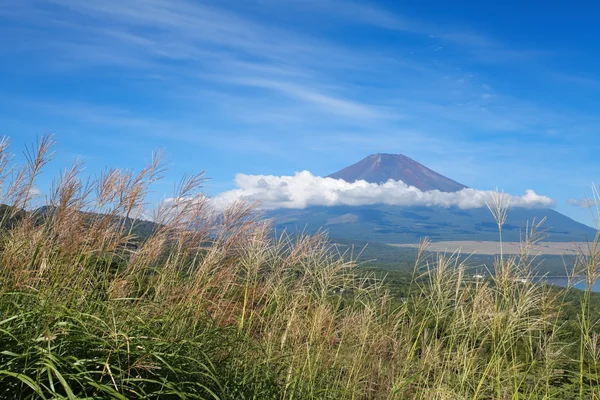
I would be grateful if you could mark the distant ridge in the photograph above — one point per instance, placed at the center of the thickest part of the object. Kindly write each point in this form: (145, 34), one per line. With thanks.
(379, 168)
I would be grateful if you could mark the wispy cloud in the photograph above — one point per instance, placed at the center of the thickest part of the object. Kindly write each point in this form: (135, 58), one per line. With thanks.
(35, 192)
(330, 103)
(478, 46)
(195, 47)
(584, 81)
(583, 203)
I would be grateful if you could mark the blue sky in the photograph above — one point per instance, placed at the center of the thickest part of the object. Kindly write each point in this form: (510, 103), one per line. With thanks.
(487, 93)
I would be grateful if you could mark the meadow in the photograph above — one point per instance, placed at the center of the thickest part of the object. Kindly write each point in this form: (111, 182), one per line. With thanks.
(213, 305)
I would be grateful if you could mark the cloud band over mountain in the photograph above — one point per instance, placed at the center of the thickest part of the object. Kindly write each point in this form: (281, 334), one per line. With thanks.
(304, 189)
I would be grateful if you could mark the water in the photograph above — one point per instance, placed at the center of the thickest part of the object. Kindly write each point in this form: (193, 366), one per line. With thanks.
(579, 283)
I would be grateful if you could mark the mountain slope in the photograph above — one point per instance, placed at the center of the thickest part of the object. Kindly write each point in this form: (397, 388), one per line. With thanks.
(379, 168)
(402, 224)
(398, 224)
(141, 229)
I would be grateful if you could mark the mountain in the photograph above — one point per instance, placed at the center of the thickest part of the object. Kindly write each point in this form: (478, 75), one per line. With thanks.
(408, 224)
(379, 168)
(399, 224)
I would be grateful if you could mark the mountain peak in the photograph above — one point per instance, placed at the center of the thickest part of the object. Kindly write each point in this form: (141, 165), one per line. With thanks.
(381, 167)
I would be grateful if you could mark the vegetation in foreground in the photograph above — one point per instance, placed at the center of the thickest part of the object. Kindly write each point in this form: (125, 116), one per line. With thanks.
(211, 306)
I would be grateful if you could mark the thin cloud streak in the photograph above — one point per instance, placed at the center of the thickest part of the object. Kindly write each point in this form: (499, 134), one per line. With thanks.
(200, 46)
(583, 203)
(336, 105)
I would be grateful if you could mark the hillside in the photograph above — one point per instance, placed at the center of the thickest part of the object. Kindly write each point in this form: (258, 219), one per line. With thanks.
(408, 224)
(397, 224)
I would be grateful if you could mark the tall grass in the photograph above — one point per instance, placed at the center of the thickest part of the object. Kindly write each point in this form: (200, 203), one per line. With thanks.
(212, 305)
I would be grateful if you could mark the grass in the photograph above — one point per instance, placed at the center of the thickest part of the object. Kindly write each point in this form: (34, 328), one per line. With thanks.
(210, 306)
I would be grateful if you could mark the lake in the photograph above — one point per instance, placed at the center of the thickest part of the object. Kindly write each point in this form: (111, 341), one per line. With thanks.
(564, 281)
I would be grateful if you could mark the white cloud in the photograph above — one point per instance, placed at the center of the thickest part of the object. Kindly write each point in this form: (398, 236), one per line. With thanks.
(231, 51)
(331, 103)
(35, 192)
(304, 189)
(583, 203)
